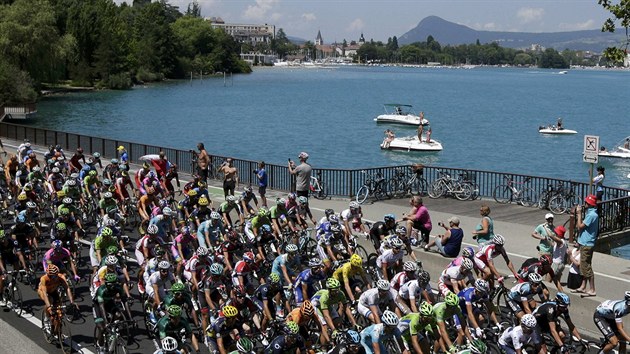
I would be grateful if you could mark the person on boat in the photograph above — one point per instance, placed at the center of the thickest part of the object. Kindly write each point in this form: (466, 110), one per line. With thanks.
(389, 137)
(559, 124)
(626, 145)
(424, 126)
(398, 110)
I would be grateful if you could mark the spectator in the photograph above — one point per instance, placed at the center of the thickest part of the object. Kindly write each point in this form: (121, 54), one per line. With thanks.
(203, 160)
(450, 243)
(123, 157)
(598, 181)
(484, 232)
(575, 279)
(261, 174)
(420, 220)
(546, 234)
(161, 165)
(560, 254)
(302, 175)
(230, 177)
(586, 240)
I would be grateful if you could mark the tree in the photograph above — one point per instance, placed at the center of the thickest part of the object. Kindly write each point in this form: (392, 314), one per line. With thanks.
(194, 10)
(620, 12)
(16, 86)
(552, 59)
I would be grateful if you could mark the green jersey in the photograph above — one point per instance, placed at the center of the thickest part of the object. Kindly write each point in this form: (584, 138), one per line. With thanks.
(277, 210)
(258, 221)
(105, 295)
(101, 243)
(166, 328)
(412, 324)
(442, 311)
(106, 204)
(324, 299)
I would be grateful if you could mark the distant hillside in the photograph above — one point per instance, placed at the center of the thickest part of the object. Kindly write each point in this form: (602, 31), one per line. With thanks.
(451, 33)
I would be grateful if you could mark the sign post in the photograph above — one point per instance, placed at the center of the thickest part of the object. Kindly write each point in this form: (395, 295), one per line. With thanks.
(590, 154)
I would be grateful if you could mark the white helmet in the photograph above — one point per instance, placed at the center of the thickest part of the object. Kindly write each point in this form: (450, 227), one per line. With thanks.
(202, 251)
(396, 242)
(482, 286)
(529, 321)
(231, 198)
(410, 266)
(164, 265)
(382, 285)
(498, 240)
(534, 278)
(467, 264)
(111, 260)
(152, 229)
(169, 344)
(167, 211)
(214, 215)
(354, 205)
(389, 318)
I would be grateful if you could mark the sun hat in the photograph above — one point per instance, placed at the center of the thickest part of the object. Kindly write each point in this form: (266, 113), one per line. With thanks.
(121, 148)
(548, 216)
(560, 230)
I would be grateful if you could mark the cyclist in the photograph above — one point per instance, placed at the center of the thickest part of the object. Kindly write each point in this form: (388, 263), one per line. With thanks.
(302, 315)
(242, 271)
(108, 300)
(245, 198)
(183, 248)
(22, 234)
(186, 206)
(454, 277)
(380, 229)
(230, 245)
(408, 273)
(329, 236)
(264, 298)
(350, 345)
(304, 282)
(520, 299)
(202, 211)
(214, 291)
(278, 216)
(48, 289)
(98, 248)
(329, 303)
(608, 318)
(228, 205)
(412, 291)
(514, 338)
(287, 265)
(289, 342)
(59, 256)
(219, 333)
(542, 266)
(484, 259)
(180, 297)
(173, 325)
(390, 261)
(351, 218)
(106, 203)
(547, 317)
(243, 346)
(373, 301)
(373, 338)
(156, 286)
(265, 236)
(477, 346)
(449, 309)
(414, 325)
(346, 275)
(479, 293)
(210, 232)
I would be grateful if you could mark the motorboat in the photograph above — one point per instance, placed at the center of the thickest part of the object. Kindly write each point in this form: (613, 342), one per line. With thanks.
(398, 114)
(563, 72)
(620, 151)
(411, 143)
(552, 129)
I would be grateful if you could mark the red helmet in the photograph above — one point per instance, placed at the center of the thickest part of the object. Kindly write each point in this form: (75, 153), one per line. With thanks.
(545, 259)
(249, 257)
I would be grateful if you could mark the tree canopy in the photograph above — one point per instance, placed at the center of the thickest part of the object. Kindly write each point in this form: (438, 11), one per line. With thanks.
(620, 12)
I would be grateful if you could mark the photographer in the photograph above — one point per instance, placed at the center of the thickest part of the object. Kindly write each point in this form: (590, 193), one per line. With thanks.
(261, 174)
(450, 243)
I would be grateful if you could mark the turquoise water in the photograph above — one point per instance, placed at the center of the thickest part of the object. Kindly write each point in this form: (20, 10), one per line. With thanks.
(486, 118)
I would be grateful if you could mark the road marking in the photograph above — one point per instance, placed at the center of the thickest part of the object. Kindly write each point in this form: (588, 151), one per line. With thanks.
(38, 323)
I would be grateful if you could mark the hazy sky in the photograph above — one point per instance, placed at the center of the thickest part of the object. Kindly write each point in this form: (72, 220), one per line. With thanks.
(378, 20)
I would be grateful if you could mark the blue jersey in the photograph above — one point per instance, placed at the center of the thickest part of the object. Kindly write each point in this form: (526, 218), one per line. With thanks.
(613, 310)
(468, 296)
(283, 260)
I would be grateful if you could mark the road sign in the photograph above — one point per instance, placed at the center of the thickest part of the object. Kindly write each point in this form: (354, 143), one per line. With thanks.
(591, 149)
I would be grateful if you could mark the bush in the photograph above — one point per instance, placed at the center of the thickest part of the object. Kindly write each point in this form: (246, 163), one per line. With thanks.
(144, 75)
(121, 81)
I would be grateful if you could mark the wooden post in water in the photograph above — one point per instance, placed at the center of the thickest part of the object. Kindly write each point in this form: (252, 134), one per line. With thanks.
(191, 78)
(201, 74)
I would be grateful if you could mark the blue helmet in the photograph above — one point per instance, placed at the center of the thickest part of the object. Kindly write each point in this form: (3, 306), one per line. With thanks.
(389, 217)
(563, 299)
(354, 336)
(266, 228)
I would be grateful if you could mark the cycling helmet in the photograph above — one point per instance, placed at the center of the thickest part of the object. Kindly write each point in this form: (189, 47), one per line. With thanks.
(74, 176)
(72, 183)
(389, 318)
(92, 173)
(28, 187)
(292, 196)
(248, 257)
(174, 311)
(111, 260)
(353, 205)
(332, 283)
(107, 195)
(61, 194)
(477, 346)
(159, 251)
(291, 248)
(67, 200)
(266, 228)
(96, 155)
(263, 212)
(192, 193)
(336, 228)
(56, 244)
(2, 234)
(534, 278)
(202, 184)
(229, 311)
(281, 201)
(112, 250)
(316, 262)
(248, 189)
(545, 259)
(382, 285)
(61, 226)
(498, 240)
(396, 242)
(55, 170)
(333, 219)
(216, 269)
(328, 212)
(302, 200)
(356, 260)
(231, 199)
(169, 344)
(107, 182)
(627, 296)
(451, 299)
(424, 277)
(178, 287)
(111, 278)
(292, 327)
(426, 309)
(31, 205)
(203, 201)
(307, 308)
(152, 229)
(529, 321)
(401, 230)
(467, 264)
(215, 216)
(106, 231)
(274, 278)
(482, 286)
(36, 169)
(52, 270)
(354, 336)
(110, 223)
(167, 211)
(410, 266)
(468, 252)
(114, 161)
(22, 197)
(202, 251)
(563, 299)
(64, 211)
(389, 217)
(20, 218)
(164, 265)
(244, 345)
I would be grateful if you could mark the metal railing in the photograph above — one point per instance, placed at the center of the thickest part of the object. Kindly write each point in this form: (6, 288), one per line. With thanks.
(613, 211)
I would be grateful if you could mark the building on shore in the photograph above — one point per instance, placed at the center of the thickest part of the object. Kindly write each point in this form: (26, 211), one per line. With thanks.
(245, 33)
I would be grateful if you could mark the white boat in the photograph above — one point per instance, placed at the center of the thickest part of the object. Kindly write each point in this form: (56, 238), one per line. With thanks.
(398, 114)
(552, 129)
(563, 72)
(620, 151)
(411, 143)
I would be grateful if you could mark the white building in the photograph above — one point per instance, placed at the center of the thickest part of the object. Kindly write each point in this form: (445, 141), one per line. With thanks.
(245, 33)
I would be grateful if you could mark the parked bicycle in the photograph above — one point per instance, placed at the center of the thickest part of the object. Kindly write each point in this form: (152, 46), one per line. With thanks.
(402, 183)
(374, 185)
(317, 187)
(564, 200)
(445, 185)
(546, 196)
(517, 192)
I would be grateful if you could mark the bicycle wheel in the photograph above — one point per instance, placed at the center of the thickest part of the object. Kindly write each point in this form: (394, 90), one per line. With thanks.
(503, 309)
(381, 190)
(529, 197)
(394, 187)
(502, 194)
(463, 191)
(15, 296)
(322, 193)
(362, 252)
(436, 189)
(121, 346)
(475, 191)
(64, 337)
(46, 328)
(558, 204)
(363, 194)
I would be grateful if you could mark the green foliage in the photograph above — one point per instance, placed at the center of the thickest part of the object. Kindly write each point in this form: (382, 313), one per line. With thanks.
(15, 85)
(620, 12)
(553, 60)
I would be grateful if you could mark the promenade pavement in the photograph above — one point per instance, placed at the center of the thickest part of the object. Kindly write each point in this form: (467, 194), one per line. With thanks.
(514, 222)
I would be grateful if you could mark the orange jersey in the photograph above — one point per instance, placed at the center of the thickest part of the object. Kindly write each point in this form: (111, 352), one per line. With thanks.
(50, 285)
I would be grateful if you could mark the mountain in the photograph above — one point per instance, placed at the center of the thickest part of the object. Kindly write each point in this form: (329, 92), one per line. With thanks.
(449, 33)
